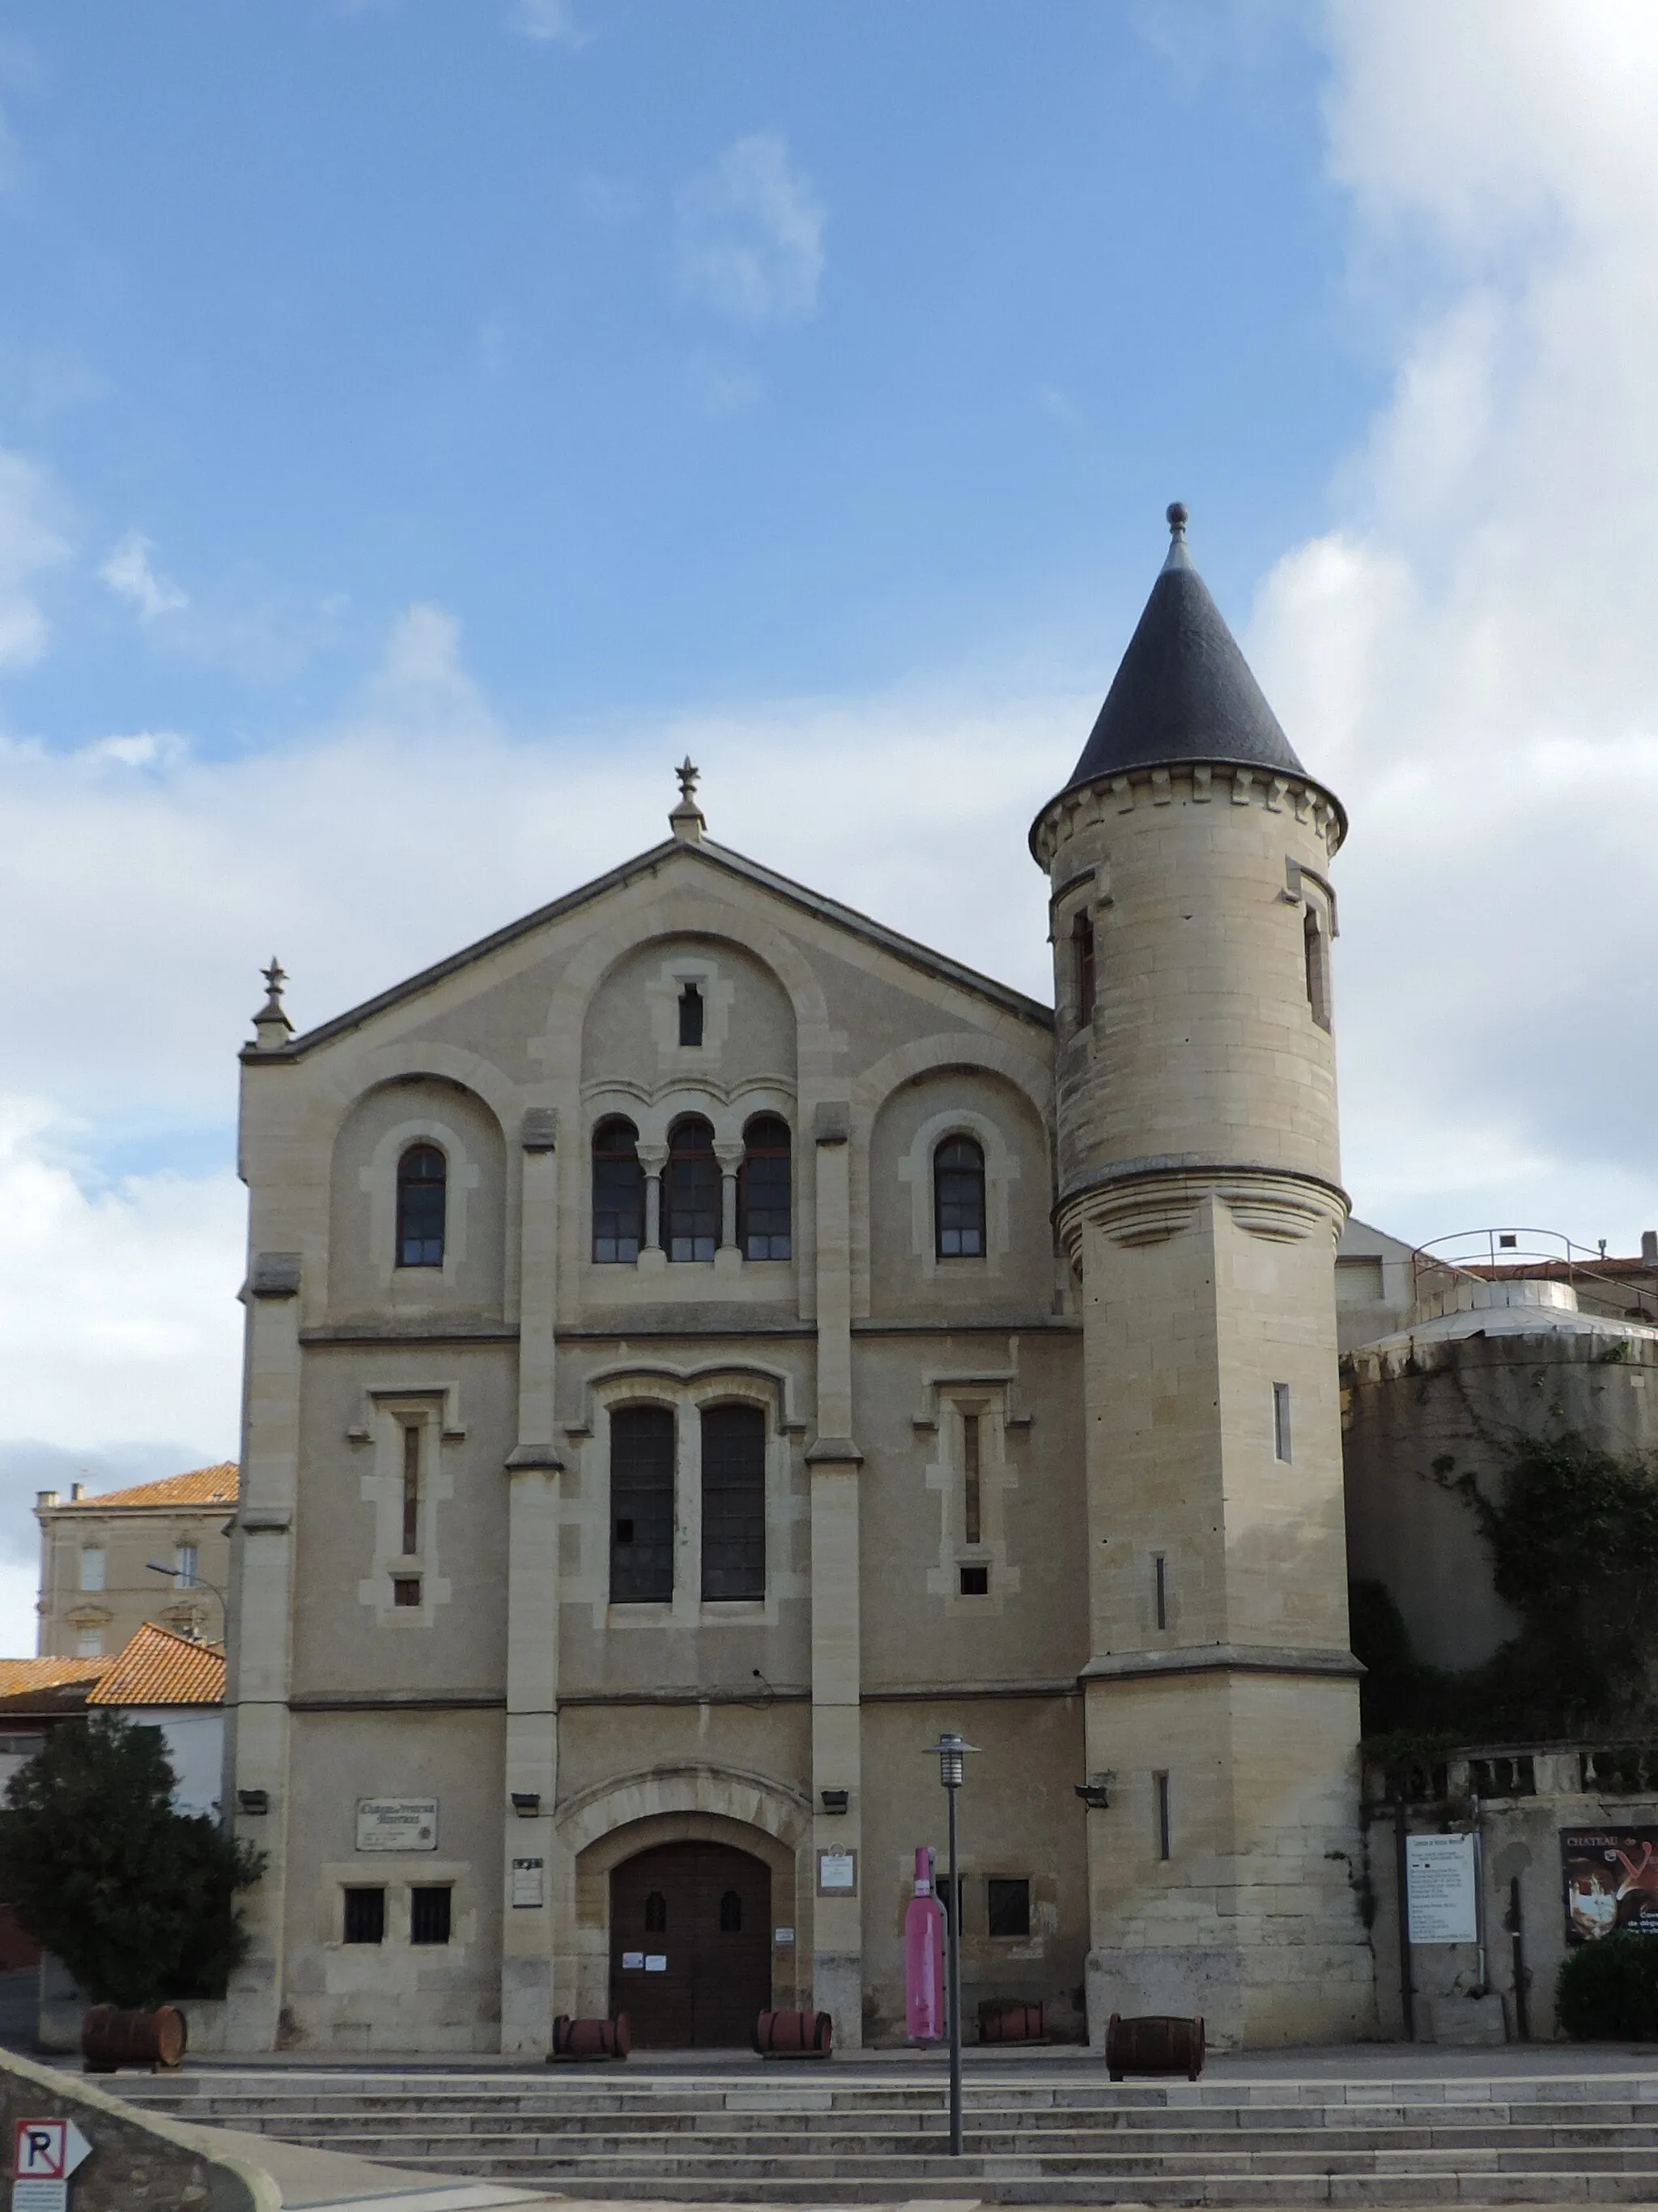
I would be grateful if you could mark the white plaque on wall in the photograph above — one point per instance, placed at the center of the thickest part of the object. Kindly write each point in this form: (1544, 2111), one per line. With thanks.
(396, 1824)
(527, 1885)
(1439, 1878)
(837, 1874)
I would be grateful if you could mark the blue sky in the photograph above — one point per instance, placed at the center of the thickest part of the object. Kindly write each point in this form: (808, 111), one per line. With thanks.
(423, 421)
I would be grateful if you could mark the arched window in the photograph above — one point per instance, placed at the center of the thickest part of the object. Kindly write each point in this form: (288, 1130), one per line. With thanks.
(656, 1914)
(1317, 951)
(422, 1175)
(641, 1505)
(731, 1914)
(619, 1192)
(733, 1501)
(958, 1199)
(763, 1190)
(690, 1192)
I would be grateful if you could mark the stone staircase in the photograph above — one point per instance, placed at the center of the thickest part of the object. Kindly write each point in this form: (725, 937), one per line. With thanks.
(849, 2136)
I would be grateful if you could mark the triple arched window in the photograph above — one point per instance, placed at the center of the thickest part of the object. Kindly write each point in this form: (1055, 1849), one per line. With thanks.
(422, 1190)
(958, 1199)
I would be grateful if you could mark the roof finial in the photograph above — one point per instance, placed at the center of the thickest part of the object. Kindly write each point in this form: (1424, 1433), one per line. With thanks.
(1177, 518)
(686, 821)
(271, 1027)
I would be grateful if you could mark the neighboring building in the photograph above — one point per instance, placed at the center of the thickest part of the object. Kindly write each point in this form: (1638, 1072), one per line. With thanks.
(177, 1685)
(701, 1344)
(96, 1585)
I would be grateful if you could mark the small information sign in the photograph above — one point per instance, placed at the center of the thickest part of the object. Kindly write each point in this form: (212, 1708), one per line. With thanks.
(782, 1935)
(633, 1962)
(1440, 1880)
(528, 1883)
(837, 1874)
(396, 1824)
(656, 1962)
(45, 2153)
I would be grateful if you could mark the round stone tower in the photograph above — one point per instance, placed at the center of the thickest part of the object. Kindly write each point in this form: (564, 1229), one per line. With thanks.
(1200, 1202)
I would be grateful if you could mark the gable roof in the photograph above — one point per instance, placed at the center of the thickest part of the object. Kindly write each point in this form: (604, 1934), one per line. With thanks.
(723, 861)
(200, 1485)
(159, 1668)
(22, 1677)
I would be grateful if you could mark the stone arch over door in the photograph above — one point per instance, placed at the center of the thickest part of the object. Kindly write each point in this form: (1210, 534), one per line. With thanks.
(602, 1827)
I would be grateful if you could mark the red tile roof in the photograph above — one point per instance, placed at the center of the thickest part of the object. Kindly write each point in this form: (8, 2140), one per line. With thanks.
(202, 1485)
(159, 1668)
(19, 1676)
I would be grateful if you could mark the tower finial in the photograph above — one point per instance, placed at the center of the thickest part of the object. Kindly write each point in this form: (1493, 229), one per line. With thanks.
(271, 1027)
(686, 821)
(1177, 518)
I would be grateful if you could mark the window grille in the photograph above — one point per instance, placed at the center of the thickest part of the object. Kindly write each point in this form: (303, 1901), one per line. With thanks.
(365, 1916)
(430, 1911)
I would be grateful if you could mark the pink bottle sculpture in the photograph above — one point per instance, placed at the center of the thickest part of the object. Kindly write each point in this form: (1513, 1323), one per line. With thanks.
(923, 1957)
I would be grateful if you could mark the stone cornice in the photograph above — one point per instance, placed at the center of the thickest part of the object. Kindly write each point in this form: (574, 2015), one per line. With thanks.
(1222, 1659)
(1194, 783)
(1148, 1201)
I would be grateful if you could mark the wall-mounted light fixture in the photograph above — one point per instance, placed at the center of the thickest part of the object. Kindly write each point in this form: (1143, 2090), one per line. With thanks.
(526, 1803)
(253, 1801)
(836, 1800)
(1095, 1792)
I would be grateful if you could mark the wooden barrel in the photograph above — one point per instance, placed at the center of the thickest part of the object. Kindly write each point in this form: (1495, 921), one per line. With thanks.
(590, 2039)
(1000, 2022)
(794, 2035)
(1154, 2043)
(111, 2037)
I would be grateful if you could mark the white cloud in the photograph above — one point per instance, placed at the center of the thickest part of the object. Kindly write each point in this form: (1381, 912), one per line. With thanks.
(31, 540)
(549, 22)
(751, 232)
(131, 575)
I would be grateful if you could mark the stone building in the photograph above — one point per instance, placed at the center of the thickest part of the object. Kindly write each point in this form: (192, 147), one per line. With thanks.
(97, 1586)
(700, 1344)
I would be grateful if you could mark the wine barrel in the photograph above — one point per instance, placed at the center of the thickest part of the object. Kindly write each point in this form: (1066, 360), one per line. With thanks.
(590, 2039)
(1000, 2022)
(112, 2036)
(1154, 2043)
(794, 2035)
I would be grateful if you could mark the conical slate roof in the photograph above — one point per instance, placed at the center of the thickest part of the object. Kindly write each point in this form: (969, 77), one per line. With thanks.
(1184, 691)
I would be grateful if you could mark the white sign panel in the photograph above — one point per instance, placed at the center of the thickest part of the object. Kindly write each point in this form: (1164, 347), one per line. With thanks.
(633, 1962)
(1439, 1877)
(837, 1870)
(656, 1962)
(527, 1885)
(396, 1824)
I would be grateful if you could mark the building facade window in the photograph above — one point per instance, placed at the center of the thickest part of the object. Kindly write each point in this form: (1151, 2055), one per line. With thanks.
(731, 1914)
(690, 1192)
(975, 1582)
(1316, 948)
(89, 1643)
(1082, 967)
(1160, 1590)
(422, 1174)
(1007, 1901)
(405, 1589)
(618, 1193)
(641, 1505)
(958, 1199)
(764, 1224)
(430, 1913)
(1161, 1784)
(972, 1487)
(733, 1501)
(1280, 1420)
(656, 1914)
(690, 1015)
(411, 1489)
(184, 1556)
(92, 1567)
(365, 1916)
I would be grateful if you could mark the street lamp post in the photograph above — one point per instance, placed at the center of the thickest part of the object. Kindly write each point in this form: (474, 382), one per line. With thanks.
(950, 1750)
(195, 1582)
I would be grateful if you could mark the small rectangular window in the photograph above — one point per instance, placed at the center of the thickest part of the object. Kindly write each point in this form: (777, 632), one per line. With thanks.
(89, 1643)
(411, 1489)
(1281, 1421)
(975, 1582)
(428, 1915)
(1082, 940)
(92, 1567)
(1160, 1578)
(970, 1503)
(1008, 1902)
(184, 1561)
(365, 1916)
(405, 1589)
(1162, 1781)
(1358, 1282)
(690, 1015)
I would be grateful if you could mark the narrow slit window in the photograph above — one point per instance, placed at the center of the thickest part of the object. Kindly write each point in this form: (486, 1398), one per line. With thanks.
(958, 1199)
(733, 1501)
(618, 1193)
(1082, 964)
(764, 1228)
(411, 1489)
(1160, 1589)
(641, 1505)
(690, 1015)
(1007, 1901)
(971, 1514)
(423, 1184)
(1281, 1421)
(430, 1912)
(690, 1192)
(1316, 947)
(365, 1916)
(1162, 1781)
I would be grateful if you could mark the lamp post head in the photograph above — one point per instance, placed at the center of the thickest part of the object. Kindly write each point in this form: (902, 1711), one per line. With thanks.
(950, 1750)
(157, 1568)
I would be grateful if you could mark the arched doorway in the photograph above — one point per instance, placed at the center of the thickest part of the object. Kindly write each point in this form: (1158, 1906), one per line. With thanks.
(690, 1946)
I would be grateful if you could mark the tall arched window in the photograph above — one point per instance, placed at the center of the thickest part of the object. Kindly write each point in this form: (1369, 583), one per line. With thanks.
(619, 1192)
(958, 1199)
(763, 1190)
(641, 1505)
(690, 1192)
(733, 1501)
(422, 1179)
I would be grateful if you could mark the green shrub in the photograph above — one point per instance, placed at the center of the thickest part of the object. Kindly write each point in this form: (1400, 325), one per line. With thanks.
(1609, 1987)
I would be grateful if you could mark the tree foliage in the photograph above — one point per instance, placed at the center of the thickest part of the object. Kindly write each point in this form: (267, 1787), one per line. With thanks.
(137, 1900)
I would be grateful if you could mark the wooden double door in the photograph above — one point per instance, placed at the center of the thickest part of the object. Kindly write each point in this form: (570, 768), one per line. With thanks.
(690, 1946)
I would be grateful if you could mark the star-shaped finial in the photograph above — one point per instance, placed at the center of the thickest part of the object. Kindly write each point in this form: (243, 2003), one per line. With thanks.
(688, 773)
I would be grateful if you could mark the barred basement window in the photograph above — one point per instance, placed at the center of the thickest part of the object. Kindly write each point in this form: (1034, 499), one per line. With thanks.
(958, 1199)
(690, 1192)
(365, 1916)
(763, 1225)
(421, 1184)
(618, 1193)
(641, 1505)
(733, 1501)
(1008, 1902)
(429, 1915)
